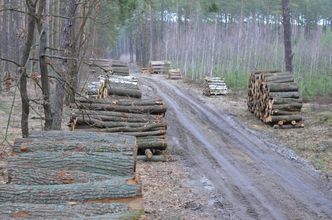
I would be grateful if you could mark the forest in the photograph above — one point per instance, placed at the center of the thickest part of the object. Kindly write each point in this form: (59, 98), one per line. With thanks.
(54, 40)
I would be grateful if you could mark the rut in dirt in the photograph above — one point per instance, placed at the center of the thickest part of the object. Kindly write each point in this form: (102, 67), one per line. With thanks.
(254, 180)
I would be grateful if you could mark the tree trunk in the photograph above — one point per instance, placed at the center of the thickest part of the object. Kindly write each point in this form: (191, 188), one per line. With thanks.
(287, 36)
(117, 164)
(115, 188)
(67, 211)
(157, 109)
(65, 46)
(32, 145)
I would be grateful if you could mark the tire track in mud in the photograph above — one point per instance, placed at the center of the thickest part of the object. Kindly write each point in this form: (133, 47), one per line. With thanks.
(254, 180)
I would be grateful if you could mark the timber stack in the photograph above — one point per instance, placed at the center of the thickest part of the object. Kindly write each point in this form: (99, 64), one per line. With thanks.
(174, 74)
(72, 175)
(125, 86)
(273, 97)
(143, 119)
(159, 67)
(215, 86)
(119, 68)
(100, 65)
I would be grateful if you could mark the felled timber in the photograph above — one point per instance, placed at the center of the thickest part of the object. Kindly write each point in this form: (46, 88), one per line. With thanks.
(174, 74)
(122, 91)
(119, 68)
(159, 132)
(116, 163)
(274, 98)
(44, 176)
(115, 188)
(125, 102)
(157, 109)
(25, 145)
(79, 135)
(214, 86)
(159, 67)
(127, 130)
(68, 211)
(155, 143)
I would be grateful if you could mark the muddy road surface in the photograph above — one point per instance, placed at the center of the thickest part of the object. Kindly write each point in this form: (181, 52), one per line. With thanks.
(253, 179)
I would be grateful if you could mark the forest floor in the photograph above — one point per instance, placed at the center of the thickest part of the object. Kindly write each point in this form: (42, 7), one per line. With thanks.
(228, 165)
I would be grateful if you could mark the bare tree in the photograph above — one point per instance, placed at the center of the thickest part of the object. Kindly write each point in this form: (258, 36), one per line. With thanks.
(287, 35)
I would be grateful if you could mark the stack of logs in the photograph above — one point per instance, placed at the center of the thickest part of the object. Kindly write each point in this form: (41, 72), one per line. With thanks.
(214, 86)
(174, 74)
(72, 175)
(159, 67)
(143, 119)
(119, 68)
(123, 86)
(274, 98)
(115, 86)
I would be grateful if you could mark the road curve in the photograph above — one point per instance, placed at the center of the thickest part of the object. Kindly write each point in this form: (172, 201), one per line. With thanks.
(255, 181)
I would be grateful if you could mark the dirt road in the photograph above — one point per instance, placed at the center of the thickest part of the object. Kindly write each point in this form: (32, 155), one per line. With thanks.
(253, 179)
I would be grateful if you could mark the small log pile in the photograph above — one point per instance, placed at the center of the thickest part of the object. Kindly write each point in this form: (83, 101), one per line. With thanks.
(215, 86)
(273, 97)
(66, 175)
(119, 68)
(159, 67)
(143, 119)
(174, 74)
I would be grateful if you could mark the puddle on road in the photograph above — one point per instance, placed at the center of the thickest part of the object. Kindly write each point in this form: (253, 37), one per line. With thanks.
(207, 184)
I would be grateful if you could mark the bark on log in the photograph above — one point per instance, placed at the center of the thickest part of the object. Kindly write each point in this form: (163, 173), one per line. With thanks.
(285, 118)
(124, 92)
(81, 136)
(66, 211)
(278, 101)
(120, 164)
(115, 188)
(136, 134)
(153, 143)
(150, 127)
(284, 95)
(141, 119)
(282, 87)
(300, 125)
(43, 176)
(123, 102)
(107, 124)
(129, 116)
(29, 145)
(158, 109)
(288, 107)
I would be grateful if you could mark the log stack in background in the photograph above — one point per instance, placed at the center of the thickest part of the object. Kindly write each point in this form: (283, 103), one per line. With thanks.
(214, 86)
(274, 97)
(67, 175)
(119, 68)
(159, 67)
(174, 74)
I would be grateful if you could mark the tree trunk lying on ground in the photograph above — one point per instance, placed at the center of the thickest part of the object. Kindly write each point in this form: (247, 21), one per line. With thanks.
(43, 176)
(155, 143)
(115, 188)
(157, 109)
(76, 146)
(121, 102)
(161, 131)
(82, 136)
(150, 127)
(105, 118)
(124, 92)
(121, 164)
(67, 211)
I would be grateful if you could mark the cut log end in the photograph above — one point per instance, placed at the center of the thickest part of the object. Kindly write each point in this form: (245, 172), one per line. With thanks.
(148, 154)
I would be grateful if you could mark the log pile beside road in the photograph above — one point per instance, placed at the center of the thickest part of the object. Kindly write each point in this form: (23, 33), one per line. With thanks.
(143, 119)
(274, 97)
(119, 68)
(174, 74)
(62, 175)
(159, 67)
(215, 86)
